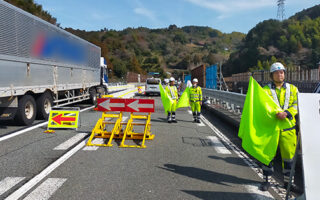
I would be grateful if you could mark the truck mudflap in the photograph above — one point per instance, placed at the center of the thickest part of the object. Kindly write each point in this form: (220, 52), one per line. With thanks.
(8, 107)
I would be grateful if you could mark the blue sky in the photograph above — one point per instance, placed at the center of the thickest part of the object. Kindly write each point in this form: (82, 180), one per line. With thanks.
(224, 15)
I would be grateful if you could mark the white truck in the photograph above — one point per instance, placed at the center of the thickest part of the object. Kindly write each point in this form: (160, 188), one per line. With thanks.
(42, 65)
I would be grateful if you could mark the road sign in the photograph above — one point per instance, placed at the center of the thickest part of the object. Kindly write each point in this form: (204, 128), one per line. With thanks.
(309, 117)
(125, 105)
(63, 119)
(140, 105)
(111, 104)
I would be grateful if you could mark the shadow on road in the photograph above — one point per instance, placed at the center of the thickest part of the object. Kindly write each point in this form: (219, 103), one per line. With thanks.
(231, 160)
(206, 195)
(206, 175)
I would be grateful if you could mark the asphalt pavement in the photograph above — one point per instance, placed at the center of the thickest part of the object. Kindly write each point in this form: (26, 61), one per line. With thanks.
(184, 161)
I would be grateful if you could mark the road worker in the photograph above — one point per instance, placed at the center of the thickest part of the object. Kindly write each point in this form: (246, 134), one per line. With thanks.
(195, 100)
(285, 95)
(172, 91)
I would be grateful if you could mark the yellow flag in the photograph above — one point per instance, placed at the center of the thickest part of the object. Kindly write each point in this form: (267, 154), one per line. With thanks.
(259, 126)
(165, 98)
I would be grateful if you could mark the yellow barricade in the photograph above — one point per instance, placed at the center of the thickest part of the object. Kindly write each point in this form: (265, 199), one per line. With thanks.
(100, 130)
(130, 134)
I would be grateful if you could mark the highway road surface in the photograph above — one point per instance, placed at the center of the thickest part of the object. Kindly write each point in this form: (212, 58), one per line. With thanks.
(184, 161)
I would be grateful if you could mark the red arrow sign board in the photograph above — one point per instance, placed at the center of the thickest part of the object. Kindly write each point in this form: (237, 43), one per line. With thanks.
(125, 105)
(109, 104)
(140, 105)
(58, 119)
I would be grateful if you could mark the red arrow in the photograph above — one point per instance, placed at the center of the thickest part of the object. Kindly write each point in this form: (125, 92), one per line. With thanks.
(59, 118)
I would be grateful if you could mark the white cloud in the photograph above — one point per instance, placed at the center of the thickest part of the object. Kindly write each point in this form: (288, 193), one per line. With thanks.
(229, 6)
(145, 12)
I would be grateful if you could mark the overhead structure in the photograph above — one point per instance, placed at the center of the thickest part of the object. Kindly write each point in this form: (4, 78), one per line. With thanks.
(280, 13)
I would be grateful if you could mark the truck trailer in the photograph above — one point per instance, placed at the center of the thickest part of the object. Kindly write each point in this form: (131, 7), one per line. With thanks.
(42, 66)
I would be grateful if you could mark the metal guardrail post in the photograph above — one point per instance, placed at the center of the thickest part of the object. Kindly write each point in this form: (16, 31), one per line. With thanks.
(229, 100)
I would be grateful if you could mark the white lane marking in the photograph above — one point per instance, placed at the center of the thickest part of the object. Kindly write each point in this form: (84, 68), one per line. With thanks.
(274, 184)
(9, 182)
(190, 112)
(124, 119)
(94, 141)
(69, 143)
(218, 146)
(32, 127)
(258, 194)
(22, 131)
(46, 189)
(35, 180)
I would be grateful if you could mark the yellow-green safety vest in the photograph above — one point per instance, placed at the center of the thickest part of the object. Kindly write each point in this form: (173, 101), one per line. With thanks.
(286, 97)
(172, 91)
(195, 94)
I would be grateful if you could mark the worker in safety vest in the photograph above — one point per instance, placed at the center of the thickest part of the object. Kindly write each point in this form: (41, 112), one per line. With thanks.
(195, 100)
(172, 91)
(285, 95)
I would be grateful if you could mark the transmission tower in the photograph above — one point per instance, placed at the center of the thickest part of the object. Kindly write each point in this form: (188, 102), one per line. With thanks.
(280, 14)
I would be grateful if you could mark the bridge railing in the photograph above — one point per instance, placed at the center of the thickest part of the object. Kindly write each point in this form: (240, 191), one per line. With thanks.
(229, 100)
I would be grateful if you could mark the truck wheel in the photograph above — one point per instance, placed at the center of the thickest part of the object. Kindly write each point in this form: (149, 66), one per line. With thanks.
(44, 104)
(93, 96)
(27, 110)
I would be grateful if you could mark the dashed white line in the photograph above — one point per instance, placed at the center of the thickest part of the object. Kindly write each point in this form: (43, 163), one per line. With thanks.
(124, 119)
(9, 182)
(218, 146)
(69, 143)
(35, 180)
(94, 148)
(46, 189)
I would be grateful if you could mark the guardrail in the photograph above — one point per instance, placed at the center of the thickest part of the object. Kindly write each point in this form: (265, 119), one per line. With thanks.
(229, 100)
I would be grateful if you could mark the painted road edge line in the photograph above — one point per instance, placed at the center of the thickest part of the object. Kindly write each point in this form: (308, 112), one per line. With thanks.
(46, 189)
(274, 184)
(9, 182)
(32, 127)
(35, 180)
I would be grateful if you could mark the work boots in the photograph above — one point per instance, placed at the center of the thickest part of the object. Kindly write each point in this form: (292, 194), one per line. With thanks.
(198, 117)
(194, 117)
(174, 117)
(293, 188)
(265, 185)
(169, 117)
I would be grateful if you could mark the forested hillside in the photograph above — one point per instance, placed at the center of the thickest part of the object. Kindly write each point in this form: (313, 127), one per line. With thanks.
(145, 50)
(295, 41)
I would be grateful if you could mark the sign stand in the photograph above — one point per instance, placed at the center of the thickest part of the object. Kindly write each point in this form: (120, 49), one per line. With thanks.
(64, 117)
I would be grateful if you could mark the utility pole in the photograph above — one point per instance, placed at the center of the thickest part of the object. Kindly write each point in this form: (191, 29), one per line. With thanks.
(280, 13)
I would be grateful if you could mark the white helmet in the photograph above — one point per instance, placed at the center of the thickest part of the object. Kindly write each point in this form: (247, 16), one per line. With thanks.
(195, 80)
(172, 79)
(166, 80)
(276, 66)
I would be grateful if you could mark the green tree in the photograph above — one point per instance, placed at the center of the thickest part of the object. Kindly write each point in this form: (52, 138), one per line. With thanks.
(259, 65)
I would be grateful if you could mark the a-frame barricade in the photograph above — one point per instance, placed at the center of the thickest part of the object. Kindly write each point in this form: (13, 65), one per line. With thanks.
(114, 121)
